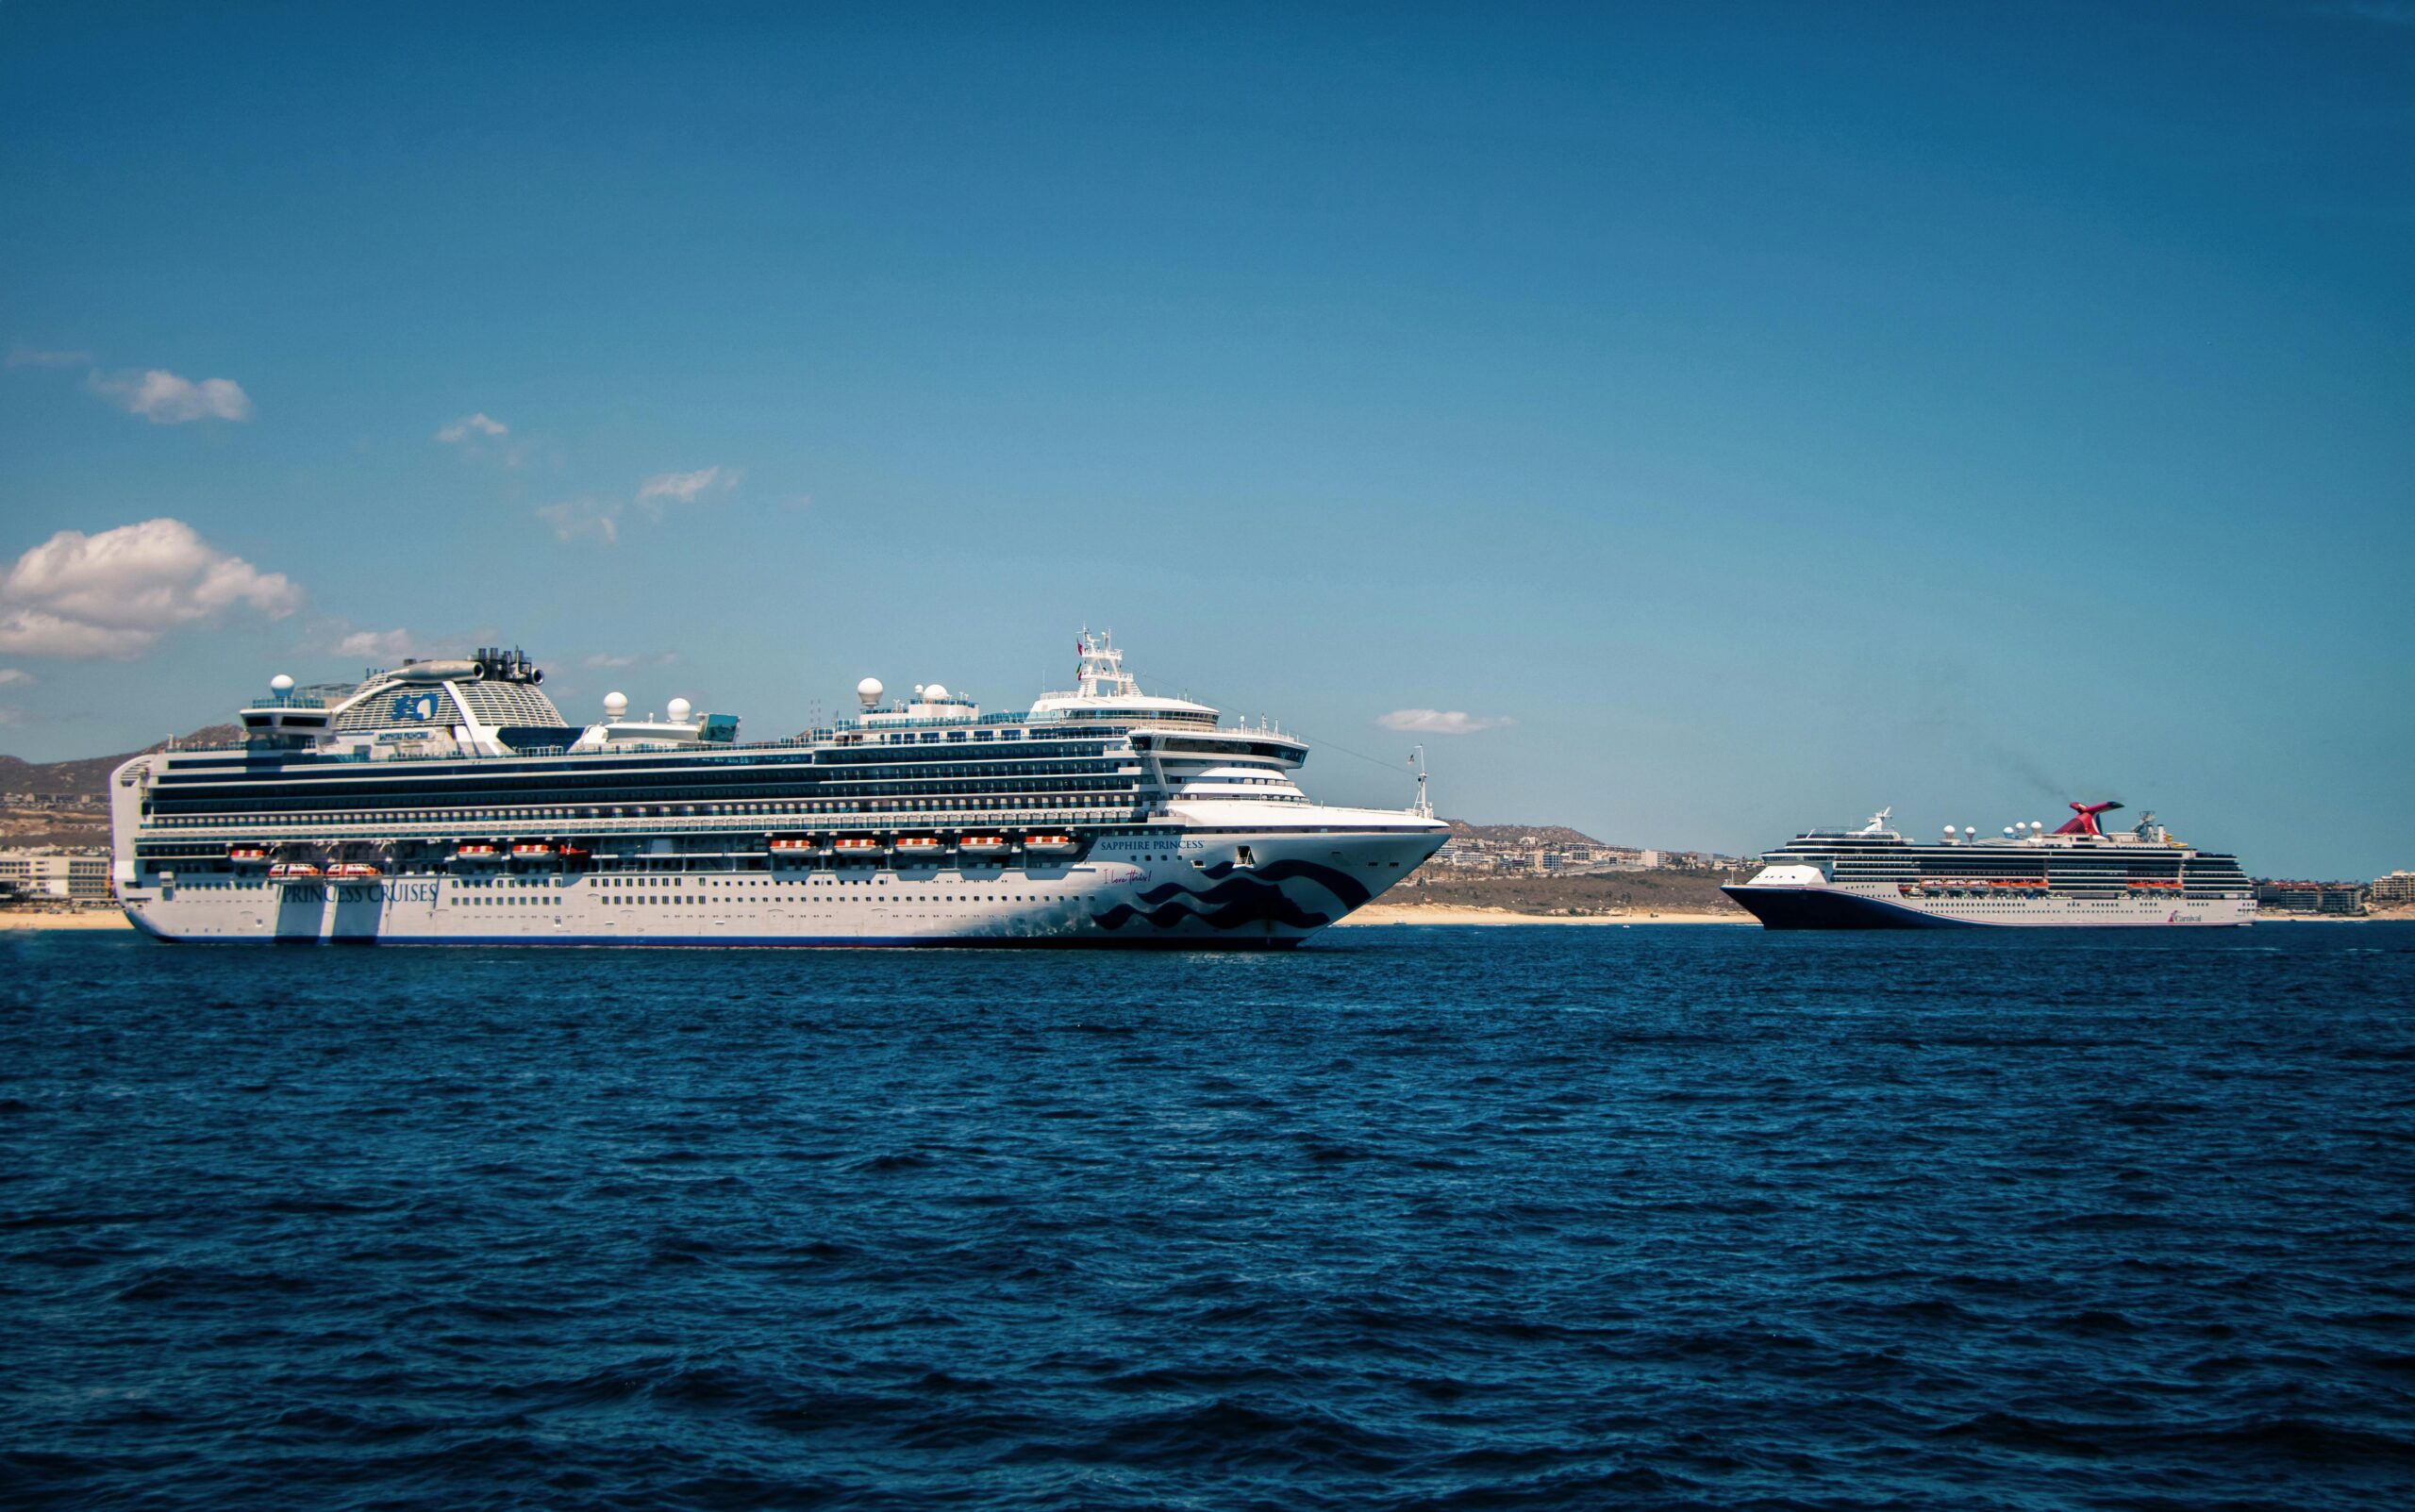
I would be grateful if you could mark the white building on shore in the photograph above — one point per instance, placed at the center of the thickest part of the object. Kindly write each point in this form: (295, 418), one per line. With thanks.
(53, 877)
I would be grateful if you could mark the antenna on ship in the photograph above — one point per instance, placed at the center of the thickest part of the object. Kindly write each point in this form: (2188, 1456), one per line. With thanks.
(1417, 761)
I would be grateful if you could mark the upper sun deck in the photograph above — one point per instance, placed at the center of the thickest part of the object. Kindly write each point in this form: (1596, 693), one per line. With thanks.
(489, 707)
(2080, 833)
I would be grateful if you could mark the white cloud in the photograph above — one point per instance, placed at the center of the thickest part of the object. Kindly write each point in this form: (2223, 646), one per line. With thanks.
(581, 518)
(480, 424)
(22, 355)
(34, 633)
(1442, 721)
(12, 675)
(112, 594)
(379, 645)
(164, 399)
(685, 488)
(574, 518)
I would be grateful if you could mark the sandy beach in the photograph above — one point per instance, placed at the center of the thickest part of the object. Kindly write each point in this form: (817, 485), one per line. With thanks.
(81, 919)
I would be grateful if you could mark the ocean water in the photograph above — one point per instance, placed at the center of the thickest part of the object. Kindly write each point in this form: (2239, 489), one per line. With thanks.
(1421, 1217)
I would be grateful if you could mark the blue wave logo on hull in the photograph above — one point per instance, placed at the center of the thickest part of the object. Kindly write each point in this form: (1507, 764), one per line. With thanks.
(1240, 897)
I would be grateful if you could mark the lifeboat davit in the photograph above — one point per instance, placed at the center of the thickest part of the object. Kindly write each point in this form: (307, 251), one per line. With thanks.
(1050, 846)
(294, 872)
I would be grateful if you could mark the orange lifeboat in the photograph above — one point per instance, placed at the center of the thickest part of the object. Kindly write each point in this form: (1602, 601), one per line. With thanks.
(353, 872)
(983, 845)
(532, 851)
(921, 848)
(1050, 846)
(248, 854)
(294, 872)
(475, 854)
(856, 848)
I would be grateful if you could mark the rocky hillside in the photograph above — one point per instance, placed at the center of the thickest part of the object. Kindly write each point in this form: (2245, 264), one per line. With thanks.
(88, 776)
(1546, 834)
(66, 803)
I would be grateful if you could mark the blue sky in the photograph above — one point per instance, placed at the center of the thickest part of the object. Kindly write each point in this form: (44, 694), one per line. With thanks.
(1749, 416)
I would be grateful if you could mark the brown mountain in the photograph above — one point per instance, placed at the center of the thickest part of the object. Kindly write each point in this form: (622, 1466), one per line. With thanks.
(88, 777)
(1546, 834)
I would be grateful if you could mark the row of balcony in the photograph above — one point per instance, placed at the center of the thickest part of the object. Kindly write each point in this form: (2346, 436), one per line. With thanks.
(557, 822)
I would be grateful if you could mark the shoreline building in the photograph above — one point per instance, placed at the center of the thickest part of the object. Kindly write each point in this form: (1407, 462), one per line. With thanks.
(2335, 900)
(53, 877)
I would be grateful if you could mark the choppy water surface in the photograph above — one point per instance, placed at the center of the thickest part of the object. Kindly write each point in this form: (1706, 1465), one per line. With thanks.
(1425, 1218)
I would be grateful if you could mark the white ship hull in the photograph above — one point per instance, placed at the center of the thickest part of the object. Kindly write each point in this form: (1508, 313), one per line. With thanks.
(1845, 907)
(1202, 889)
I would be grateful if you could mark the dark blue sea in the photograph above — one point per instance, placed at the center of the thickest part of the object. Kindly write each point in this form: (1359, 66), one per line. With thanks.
(1419, 1218)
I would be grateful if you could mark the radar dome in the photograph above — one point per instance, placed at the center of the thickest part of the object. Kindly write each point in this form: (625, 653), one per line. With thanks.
(868, 692)
(616, 704)
(935, 693)
(680, 709)
(280, 684)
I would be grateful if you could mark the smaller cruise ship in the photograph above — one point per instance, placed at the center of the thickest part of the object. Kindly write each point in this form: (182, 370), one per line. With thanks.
(2079, 875)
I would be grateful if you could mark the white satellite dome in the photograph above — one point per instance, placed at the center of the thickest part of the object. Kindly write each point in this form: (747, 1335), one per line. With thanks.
(680, 709)
(616, 704)
(868, 692)
(280, 684)
(935, 693)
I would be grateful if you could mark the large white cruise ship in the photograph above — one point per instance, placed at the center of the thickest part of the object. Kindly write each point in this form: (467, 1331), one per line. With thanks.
(450, 802)
(1874, 878)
